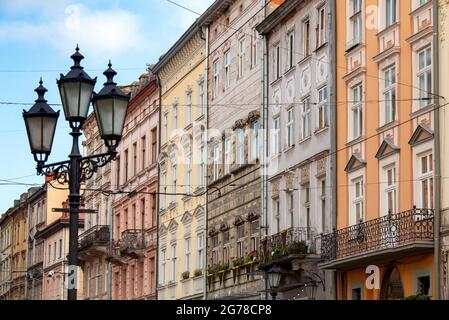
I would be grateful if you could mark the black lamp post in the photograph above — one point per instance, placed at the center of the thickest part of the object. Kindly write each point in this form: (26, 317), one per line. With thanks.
(274, 279)
(76, 90)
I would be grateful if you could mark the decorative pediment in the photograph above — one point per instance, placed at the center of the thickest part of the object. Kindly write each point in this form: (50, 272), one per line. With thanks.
(199, 212)
(239, 124)
(162, 230)
(387, 148)
(422, 134)
(252, 216)
(355, 163)
(173, 225)
(224, 227)
(186, 218)
(238, 221)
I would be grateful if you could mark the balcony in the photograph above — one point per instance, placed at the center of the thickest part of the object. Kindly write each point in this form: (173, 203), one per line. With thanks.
(133, 244)
(93, 243)
(287, 246)
(387, 238)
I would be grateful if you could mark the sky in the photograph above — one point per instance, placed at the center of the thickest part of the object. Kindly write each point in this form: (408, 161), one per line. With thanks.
(37, 39)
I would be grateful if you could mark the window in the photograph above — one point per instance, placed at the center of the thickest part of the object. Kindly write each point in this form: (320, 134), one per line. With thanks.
(175, 183)
(202, 170)
(152, 277)
(97, 279)
(323, 204)
(189, 172)
(227, 58)
(200, 250)
(277, 136)
(154, 145)
(54, 250)
(242, 57)
(290, 127)
(389, 94)
(423, 286)
(228, 156)
(214, 244)
(291, 50)
(226, 246)
(163, 195)
(306, 207)
(126, 165)
(255, 47)
(306, 37)
(117, 174)
(357, 111)
(321, 27)
(254, 240)
(322, 108)
(425, 77)
(164, 129)
(356, 21)
(276, 214)
(173, 262)
(89, 275)
(153, 209)
(216, 162)
(163, 264)
(60, 248)
(143, 142)
(255, 141)
(391, 12)
(188, 112)
(202, 98)
(240, 241)
(241, 147)
(358, 203)
(277, 61)
(290, 208)
(175, 116)
(426, 181)
(187, 255)
(306, 119)
(390, 190)
(216, 79)
(356, 294)
(134, 158)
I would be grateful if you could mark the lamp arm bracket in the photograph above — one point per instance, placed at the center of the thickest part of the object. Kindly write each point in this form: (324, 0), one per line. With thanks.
(90, 165)
(58, 171)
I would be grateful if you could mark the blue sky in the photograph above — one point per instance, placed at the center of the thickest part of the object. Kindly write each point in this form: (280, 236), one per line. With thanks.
(37, 39)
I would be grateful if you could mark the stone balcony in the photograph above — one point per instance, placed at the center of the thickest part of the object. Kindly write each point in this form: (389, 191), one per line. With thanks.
(383, 239)
(94, 243)
(288, 246)
(133, 244)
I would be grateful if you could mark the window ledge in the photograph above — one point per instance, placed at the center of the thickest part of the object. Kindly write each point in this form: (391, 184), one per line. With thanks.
(387, 126)
(289, 148)
(355, 141)
(308, 138)
(305, 59)
(290, 70)
(320, 47)
(423, 110)
(276, 81)
(319, 131)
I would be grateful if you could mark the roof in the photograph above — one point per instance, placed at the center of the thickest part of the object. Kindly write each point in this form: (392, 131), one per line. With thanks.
(215, 10)
(277, 15)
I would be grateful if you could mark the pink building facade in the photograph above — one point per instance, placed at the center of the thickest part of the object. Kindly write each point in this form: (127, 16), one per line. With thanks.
(135, 172)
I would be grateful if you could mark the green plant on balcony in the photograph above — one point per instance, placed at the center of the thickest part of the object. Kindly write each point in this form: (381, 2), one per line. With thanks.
(223, 267)
(237, 262)
(276, 251)
(198, 273)
(185, 275)
(252, 257)
(418, 297)
(299, 247)
(212, 269)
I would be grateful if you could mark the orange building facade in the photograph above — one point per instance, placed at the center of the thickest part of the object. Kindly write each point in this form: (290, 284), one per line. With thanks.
(383, 244)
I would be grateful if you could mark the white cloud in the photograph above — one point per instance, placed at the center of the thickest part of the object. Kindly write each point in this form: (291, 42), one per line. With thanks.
(109, 32)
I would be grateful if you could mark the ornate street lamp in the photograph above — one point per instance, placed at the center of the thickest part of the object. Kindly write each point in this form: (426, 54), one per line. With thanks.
(110, 106)
(274, 279)
(40, 123)
(76, 89)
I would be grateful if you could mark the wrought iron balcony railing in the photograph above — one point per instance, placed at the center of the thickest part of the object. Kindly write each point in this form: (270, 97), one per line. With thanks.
(391, 231)
(135, 241)
(293, 242)
(96, 236)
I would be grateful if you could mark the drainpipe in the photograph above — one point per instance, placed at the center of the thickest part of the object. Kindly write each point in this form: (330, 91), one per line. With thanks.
(111, 239)
(437, 215)
(333, 130)
(205, 31)
(264, 145)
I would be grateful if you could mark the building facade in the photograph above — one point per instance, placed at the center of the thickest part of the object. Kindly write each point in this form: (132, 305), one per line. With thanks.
(233, 126)
(19, 215)
(37, 215)
(134, 220)
(5, 256)
(182, 168)
(386, 155)
(299, 197)
(94, 241)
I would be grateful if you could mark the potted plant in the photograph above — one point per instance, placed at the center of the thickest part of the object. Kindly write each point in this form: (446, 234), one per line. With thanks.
(252, 257)
(299, 247)
(185, 275)
(198, 273)
(238, 262)
(276, 251)
(212, 269)
(223, 267)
